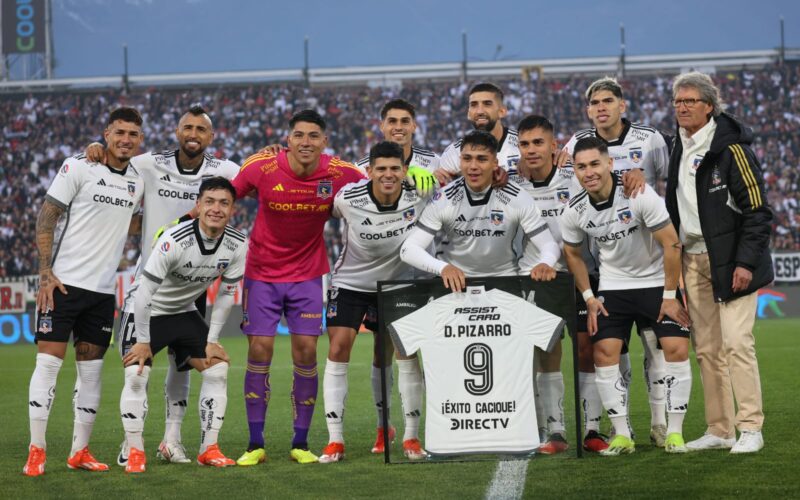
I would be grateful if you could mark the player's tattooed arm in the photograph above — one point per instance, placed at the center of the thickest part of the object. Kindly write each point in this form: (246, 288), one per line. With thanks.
(45, 229)
(135, 227)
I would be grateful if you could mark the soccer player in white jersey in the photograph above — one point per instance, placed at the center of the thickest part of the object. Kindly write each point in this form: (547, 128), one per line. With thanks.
(481, 222)
(640, 265)
(485, 112)
(171, 183)
(640, 154)
(398, 125)
(88, 210)
(551, 189)
(379, 213)
(188, 258)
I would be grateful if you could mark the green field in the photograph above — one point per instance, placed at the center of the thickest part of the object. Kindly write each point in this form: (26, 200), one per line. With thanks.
(648, 473)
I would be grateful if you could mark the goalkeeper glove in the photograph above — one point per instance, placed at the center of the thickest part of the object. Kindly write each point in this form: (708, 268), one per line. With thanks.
(168, 225)
(424, 181)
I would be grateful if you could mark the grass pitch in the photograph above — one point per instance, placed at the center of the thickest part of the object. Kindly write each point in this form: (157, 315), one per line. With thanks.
(648, 473)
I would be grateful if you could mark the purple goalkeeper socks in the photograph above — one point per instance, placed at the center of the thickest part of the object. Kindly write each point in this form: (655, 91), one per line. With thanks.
(304, 397)
(256, 398)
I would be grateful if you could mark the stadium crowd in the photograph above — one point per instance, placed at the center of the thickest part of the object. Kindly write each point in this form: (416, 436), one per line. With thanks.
(40, 130)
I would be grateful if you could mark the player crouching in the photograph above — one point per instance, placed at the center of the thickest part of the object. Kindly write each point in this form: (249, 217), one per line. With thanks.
(188, 258)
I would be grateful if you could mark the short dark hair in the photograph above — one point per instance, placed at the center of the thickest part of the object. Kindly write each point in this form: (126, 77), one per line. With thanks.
(385, 149)
(125, 114)
(214, 183)
(309, 116)
(589, 143)
(398, 104)
(487, 87)
(531, 122)
(480, 138)
(197, 110)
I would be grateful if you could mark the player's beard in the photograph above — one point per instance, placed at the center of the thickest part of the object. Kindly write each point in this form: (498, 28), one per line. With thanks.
(486, 128)
(192, 154)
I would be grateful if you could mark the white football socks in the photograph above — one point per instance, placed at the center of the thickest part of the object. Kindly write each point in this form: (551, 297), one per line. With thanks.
(87, 402)
(376, 392)
(655, 369)
(334, 390)
(613, 394)
(176, 396)
(411, 385)
(551, 391)
(590, 399)
(133, 405)
(679, 389)
(41, 393)
(213, 402)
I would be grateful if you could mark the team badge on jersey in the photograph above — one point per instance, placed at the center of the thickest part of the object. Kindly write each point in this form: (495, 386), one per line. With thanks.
(324, 189)
(562, 195)
(635, 155)
(222, 264)
(624, 215)
(165, 247)
(409, 214)
(496, 217)
(65, 169)
(131, 188)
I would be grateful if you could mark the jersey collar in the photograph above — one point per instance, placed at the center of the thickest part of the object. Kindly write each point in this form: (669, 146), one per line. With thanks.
(199, 237)
(185, 171)
(118, 172)
(610, 201)
(502, 139)
(407, 161)
(383, 208)
(626, 125)
(482, 201)
(546, 182)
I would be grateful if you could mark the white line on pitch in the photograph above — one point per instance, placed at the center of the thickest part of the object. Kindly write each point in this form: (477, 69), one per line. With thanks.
(508, 481)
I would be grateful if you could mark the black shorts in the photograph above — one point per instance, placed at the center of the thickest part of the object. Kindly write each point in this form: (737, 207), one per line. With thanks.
(87, 315)
(640, 306)
(186, 334)
(350, 309)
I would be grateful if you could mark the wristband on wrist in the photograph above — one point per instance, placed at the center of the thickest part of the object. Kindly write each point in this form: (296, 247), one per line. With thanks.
(670, 294)
(587, 294)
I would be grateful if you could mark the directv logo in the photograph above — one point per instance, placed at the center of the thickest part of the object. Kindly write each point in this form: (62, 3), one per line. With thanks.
(166, 178)
(101, 182)
(366, 222)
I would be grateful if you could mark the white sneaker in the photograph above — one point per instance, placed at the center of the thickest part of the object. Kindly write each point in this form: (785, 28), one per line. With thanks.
(710, 442)
(172, 452)
(124, 451)
(749, 442)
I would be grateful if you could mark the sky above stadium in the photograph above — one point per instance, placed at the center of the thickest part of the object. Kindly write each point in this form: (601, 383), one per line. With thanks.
(176, 36)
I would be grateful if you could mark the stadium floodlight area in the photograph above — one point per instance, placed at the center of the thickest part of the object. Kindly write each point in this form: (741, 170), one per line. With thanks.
(374, 75)
(554, 299)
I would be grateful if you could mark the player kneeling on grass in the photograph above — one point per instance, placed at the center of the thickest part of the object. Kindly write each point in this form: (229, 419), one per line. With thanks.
(640, 263)
(380, 213)
(187, 259)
